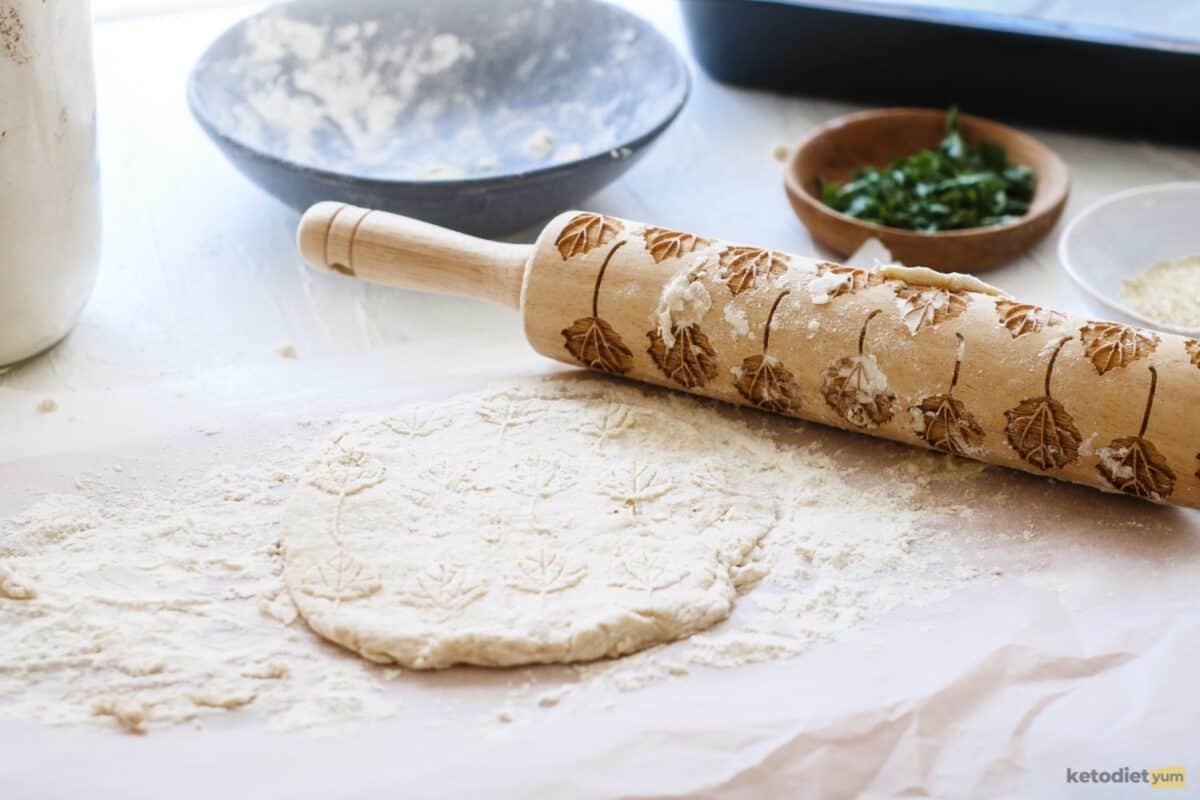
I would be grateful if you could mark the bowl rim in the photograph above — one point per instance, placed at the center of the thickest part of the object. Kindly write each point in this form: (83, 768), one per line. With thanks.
(481, 182)
(1090, 289)
(796, 188)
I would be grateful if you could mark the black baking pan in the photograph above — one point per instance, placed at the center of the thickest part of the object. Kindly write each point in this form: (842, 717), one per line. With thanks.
(1080, 77)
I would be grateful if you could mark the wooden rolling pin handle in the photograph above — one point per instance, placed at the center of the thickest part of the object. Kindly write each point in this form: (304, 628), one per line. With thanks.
(387, 248)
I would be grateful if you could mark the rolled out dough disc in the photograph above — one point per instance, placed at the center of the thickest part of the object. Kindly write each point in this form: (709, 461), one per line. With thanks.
(550, 521)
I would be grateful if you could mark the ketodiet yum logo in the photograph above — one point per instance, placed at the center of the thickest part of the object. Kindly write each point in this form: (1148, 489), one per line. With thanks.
(1161, 778)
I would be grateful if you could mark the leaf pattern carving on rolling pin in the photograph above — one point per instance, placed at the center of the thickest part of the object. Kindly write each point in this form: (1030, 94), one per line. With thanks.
(1110, 345)
(689, 360)
(584, 233)
(944, 422)
(856, 388)
(1041, 430)
(856, 279)
(1193, 351)
(763, 380)
(662, 244)
(1022, 319)
(741, 267)
(924, 307)
(592, 341)
(1133, 465)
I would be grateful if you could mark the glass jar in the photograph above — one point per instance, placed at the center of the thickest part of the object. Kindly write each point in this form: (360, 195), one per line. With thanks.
(49, 181)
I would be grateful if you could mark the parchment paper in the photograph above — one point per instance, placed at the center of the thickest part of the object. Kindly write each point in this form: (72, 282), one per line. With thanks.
(1075, 649)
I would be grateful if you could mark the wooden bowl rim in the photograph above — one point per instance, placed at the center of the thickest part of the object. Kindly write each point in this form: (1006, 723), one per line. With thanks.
(1044, 203)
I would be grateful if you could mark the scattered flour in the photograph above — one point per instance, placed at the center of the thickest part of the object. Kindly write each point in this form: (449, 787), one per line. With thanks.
(140, 609)
(553, 697)
(738, 321)
(540, 144)
(307, 85)
(143, 609)
(1168, 293)
(568, 152)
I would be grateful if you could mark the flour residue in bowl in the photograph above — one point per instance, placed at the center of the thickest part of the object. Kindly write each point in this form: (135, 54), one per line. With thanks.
(407, 100)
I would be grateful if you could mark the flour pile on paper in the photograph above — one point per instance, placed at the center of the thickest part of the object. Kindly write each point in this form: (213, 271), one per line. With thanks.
(144, 609)
(605, 518)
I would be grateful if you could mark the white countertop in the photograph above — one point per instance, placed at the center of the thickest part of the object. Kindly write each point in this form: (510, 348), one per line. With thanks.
(201, 285)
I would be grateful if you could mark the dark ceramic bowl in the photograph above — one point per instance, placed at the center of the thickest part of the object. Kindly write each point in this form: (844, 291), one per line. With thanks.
(486, 116)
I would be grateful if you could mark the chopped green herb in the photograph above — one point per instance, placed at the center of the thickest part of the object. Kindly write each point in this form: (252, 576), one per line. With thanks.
(950, 188)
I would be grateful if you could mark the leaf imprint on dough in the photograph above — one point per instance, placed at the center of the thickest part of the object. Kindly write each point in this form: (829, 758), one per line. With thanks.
(417, 422)
(344, 471)
(924, 307)
(636, 485)
(690, 361)
(1110, 345)
(716, 479)
(546, 572)
(943, 422)
(1133, 465)
(1193, 351)
(645, 571)
(584, 233)
(1022, 319)
(538, 479)
(741, 267)
(441, 480)
(856, 388)
(447, 587)
(1041, 430)
(507, 413)
(341, 577)
(608, 423)
(594, 342)
(663, 244)
(856, 279)
(763, 380)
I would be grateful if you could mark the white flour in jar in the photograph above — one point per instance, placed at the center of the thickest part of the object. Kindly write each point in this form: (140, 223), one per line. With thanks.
(49, 214)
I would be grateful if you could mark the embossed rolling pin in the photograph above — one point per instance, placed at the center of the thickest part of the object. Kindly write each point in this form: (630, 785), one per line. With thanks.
(942, 362)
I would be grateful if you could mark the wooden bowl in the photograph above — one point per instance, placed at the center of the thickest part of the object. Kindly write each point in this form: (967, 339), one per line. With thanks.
(875, 138)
